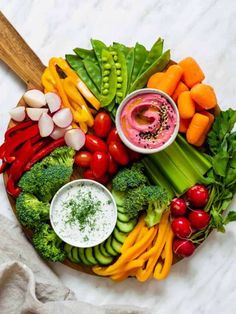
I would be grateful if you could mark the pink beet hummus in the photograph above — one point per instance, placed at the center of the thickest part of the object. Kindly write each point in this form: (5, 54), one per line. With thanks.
(148, 120)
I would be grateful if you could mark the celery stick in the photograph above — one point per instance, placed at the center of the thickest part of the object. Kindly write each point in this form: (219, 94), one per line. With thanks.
(156, 177)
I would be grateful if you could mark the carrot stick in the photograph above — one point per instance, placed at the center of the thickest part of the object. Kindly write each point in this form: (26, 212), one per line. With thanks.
(197, 128)
(192, 73)
(181, 87)
(186, 105)
(211, 120)
(183, 125)
(155, 79)
(204, 96)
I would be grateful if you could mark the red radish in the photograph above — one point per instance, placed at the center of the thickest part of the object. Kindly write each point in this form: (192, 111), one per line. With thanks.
(198, 196)
(18, 113)
(75, 138)
(181, 227)
(88, 174)
(35, 113)
(53, 101)
(199, 219)
(34, 98)
(63, 118)
(183, 248)
(99, 164)
(178, 207)
(59, 132)
(46, 125)
(83, 159)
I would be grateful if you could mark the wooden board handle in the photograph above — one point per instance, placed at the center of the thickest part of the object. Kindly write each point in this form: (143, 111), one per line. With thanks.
(15, 53)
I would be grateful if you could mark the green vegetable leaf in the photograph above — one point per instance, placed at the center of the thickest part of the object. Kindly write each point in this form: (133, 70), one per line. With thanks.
(230, 217)
(217, 220)
(220, 162)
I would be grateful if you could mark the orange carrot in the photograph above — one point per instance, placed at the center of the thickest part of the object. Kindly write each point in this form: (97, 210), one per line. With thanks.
(197, 128)
(183, 125)
(186, 105)
(170, 79)
(181, 87)
(211, 120)
(155, 79)
(204, 96)
(192, 72)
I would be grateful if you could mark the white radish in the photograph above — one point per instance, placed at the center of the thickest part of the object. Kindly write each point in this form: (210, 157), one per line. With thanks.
(53, 101)
(59, 132)
(35, 98)
(75, 138)
(63, 118)
(45, 124)
(35, 113)
(18, 113)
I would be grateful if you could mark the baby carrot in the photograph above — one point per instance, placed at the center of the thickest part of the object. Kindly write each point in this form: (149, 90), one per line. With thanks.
(192, 73)
(155, 79)
(211, 120)
(183, 125)
(204, 96)
(186, 105)
(197, 128)
(181, 87)
(170, 79)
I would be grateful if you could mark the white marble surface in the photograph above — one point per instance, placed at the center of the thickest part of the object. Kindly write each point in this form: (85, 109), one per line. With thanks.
(206, 30)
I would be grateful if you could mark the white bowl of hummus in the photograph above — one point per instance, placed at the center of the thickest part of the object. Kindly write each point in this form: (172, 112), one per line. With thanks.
(147, 120)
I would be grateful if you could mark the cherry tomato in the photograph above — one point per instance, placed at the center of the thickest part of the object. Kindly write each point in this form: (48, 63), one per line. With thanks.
(113, 136)
(88, 174)
(119, 153)
(133, 156)
(103, 180)
(102, 124)
(95, 144)
(83, 159)
(99, 164)
(181, 227)
(183, 248)
(178, 207)
(112, 165)
(199, 219)
(198, 196)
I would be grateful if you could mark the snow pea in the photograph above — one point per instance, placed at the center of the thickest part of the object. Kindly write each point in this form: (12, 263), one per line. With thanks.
(153, 55)
(140, 55)
(85, 53)
(122, 48)
(129, 64)
(156, 66)
(109, 78)
(94, 72)
(98, 47)
(77, 64)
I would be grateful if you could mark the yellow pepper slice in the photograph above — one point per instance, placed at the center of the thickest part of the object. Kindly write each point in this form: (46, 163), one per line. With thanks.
(47, 81)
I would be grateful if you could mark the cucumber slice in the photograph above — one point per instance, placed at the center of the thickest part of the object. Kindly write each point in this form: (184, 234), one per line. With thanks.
(121, 209)
(70, 257)
(82, 257)
(67, 248)
(75, 255)
(116, 245)
(126, 226)
(119, 197)
(103, 249)
(109, 248)
(103, 260)
(89, 255)
(120, 236)
(122, 217)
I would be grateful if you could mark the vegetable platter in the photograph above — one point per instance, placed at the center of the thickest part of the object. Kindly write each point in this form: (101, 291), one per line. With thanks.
(117, 161)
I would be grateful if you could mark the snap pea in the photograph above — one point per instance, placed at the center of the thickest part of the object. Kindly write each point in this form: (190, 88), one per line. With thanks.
(122, 48)
(129, 64)
(157, 66)
(85, 53)
(94, 72)
(111, 106)
(77, 64)
(140, 55)
(98, 47)
(153, 54)
(108, 92)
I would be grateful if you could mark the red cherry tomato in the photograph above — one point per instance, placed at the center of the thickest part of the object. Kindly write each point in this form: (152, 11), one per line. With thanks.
(199, 219)
(183, 248)
(113, 136)
(133, 156)
(178, 207)
(83, 159)
(103, 180)
(119, 153)
(88, 174)
(99, 164)
(181, 227)
(198, 196)
(95, 144)
(102, 124)
(112, 165)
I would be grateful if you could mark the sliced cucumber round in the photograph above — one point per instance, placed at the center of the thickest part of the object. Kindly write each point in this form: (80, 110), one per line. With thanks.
(102, 260)
(126, 226)
(109, 248)
(75, 255)
(103, 249)
(83, 257)
(122, 217)
(89, 255)
(120, 236)
(116, 245)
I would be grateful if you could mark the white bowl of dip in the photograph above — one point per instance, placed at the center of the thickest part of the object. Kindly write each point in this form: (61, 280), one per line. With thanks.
(147, 120)
(83, 213)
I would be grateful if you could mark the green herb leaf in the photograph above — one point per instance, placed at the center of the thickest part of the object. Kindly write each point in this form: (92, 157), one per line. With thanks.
(230, 217)
(220, 162)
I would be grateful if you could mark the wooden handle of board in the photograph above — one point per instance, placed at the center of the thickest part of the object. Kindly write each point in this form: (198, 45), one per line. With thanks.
(15, 53)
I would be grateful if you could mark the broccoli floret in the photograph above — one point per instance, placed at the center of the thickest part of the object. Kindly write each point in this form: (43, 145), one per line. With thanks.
(30, 210)
(134, 202)
(129, 178)
(48, 244)
(47, 176)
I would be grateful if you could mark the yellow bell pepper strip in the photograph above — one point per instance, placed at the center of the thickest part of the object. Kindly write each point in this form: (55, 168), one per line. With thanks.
(126, 273)
(162, 273)
(47, 81)
(141, 233)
